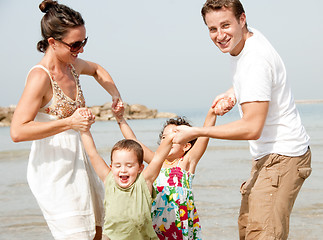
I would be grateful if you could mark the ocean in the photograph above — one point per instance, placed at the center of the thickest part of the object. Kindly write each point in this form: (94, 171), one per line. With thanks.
(224, 166)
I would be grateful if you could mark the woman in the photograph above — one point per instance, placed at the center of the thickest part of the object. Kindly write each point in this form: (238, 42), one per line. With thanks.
(59, 174)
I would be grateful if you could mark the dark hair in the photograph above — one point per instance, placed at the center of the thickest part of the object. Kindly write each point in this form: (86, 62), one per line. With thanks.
(56, 22)
(213, 5)
(177, 122)
(129, 145)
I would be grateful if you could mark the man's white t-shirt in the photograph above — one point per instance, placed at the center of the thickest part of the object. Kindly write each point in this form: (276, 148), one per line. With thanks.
(259, 75)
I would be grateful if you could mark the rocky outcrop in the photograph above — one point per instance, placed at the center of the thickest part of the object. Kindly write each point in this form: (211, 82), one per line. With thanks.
(102, 113)
(134, 111)
(6, 114)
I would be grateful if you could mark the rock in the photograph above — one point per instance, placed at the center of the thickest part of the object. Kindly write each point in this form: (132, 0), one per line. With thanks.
(102, 113)
(96, 110)
(138, 111)
(166, 115)
(6, 114)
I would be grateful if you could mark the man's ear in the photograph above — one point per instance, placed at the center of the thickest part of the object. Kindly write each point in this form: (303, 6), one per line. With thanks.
(243, 19)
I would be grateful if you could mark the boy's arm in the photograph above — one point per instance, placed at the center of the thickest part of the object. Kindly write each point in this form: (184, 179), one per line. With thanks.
(129, 134)
(200, 145)
(99, 165)
(151, 172)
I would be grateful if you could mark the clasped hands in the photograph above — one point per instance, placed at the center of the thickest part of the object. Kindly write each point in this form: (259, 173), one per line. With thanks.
(83, 118)
(222, 104)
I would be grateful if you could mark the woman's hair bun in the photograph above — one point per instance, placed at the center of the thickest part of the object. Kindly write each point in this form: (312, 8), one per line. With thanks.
(46, 5)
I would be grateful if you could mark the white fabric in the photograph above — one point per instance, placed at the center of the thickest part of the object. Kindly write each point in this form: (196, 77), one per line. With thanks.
(64, 183)
(259, 75)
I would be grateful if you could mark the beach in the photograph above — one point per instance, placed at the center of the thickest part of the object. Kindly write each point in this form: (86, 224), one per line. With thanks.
(225, 165)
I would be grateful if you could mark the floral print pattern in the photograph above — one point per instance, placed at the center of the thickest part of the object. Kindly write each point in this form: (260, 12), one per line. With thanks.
(173, 211)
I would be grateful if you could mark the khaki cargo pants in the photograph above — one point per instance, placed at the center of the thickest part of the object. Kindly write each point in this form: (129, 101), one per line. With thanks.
(269, 195)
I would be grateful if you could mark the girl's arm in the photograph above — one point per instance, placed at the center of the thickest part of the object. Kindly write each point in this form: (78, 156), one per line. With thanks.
(101, 76)
(151, 172)
(194, 155)
(35, 95)
(128, 133)
(99, 165)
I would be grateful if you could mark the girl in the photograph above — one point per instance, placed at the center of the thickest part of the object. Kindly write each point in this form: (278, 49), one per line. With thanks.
(128, 187)
(173, 212)
(66, 187)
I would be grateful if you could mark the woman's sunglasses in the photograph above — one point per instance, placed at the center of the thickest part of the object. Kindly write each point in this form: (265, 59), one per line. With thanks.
(74, 47)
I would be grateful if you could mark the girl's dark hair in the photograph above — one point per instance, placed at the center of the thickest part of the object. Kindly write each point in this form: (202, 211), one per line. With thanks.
(56, 22)
(129, 145)
(177, 122)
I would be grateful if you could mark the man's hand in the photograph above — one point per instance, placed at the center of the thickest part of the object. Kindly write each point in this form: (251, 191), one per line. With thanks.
(224, 102)
(184, 134)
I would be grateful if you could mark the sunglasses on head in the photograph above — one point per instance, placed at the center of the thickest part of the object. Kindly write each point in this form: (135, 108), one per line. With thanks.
(74, 47)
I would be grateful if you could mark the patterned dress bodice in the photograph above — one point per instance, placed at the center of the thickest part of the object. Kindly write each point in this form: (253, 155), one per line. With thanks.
(61, 105)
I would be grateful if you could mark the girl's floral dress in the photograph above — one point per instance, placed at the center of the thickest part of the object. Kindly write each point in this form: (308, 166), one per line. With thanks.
(173, 212)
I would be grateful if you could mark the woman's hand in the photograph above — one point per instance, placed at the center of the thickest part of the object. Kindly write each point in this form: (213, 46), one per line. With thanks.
(116, 102)
(118, 110)
(82, 119)
(224, 102)
(87, 113)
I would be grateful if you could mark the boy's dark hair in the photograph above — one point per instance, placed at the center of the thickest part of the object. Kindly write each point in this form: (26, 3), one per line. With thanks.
(177, 122)
(129, 145)
(213, 5)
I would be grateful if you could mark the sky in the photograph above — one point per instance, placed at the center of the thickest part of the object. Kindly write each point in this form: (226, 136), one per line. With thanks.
(159, 53)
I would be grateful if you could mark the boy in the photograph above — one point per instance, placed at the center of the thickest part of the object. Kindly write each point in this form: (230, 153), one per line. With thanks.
(128, 187)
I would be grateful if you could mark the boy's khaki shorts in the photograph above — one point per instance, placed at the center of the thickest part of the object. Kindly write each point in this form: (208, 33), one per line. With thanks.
(269, 195)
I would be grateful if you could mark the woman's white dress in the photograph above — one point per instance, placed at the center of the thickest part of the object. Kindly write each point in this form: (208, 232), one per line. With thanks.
(62, 179)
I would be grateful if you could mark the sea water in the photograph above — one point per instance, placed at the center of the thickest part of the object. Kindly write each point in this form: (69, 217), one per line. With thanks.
(224, 166)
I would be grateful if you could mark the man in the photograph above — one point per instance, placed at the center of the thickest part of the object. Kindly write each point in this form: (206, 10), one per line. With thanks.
(270, 121)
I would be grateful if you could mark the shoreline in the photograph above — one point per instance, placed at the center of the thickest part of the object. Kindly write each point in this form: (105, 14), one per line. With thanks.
(309, 101)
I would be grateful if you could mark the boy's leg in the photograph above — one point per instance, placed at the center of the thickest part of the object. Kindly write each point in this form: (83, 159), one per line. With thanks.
(98, 234)
(272, 196)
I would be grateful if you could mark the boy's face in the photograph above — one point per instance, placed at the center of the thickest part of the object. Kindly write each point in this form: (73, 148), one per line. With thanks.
(125, 167)
(225, 30)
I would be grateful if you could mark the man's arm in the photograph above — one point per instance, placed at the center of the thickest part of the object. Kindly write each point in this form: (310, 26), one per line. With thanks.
(249, 127)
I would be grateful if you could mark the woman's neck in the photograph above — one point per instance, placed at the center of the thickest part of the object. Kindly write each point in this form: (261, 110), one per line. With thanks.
(53, 64)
